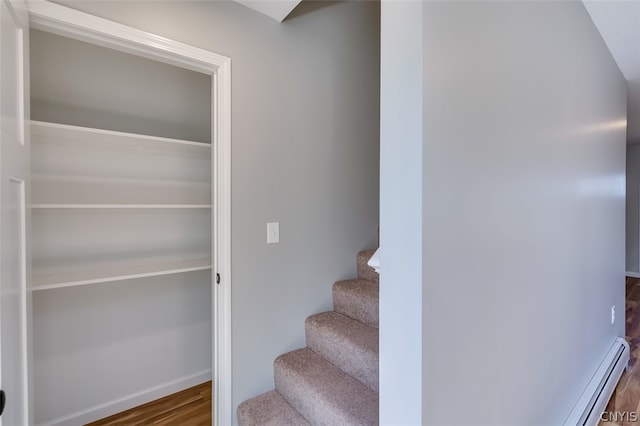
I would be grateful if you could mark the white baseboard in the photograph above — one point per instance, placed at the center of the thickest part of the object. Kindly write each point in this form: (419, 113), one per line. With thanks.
(632, 274)
(588, 410)
(130, 401)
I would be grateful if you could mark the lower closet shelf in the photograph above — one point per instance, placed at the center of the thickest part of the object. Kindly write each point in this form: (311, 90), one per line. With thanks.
(59, 279)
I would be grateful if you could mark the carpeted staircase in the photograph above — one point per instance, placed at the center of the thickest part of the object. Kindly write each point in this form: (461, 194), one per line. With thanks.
(334, 380)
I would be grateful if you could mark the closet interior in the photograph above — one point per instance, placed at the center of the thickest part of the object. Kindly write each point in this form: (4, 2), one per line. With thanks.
(121, 253)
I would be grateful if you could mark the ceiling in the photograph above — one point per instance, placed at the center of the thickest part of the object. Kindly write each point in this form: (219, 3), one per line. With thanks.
(619, 24)
(276, 9)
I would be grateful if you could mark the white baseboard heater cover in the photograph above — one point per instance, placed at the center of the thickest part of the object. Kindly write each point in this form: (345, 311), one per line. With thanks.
(596, 395)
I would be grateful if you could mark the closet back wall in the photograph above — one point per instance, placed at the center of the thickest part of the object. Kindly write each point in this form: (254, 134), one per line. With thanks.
(78, 83)
(100, 348)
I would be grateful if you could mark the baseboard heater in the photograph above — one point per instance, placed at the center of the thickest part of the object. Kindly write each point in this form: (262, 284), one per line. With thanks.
(594, 399)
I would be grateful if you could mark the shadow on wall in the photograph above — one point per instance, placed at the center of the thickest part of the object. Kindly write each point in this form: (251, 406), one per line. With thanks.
(633, 110)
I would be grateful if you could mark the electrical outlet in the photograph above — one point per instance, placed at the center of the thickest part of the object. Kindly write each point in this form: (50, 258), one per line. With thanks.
(613, 314)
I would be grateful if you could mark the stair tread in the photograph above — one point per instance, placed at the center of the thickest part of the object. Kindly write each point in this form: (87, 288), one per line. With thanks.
(357, 299)
(358, 333)
(269, 409)
(349, 344)
(321, 392)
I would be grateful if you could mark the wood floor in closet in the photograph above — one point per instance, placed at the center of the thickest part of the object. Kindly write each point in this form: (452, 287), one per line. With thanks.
(625, 400)
(190, 407)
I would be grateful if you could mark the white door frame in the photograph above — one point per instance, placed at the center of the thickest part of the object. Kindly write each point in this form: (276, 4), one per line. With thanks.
(14, 229)
(78, 25)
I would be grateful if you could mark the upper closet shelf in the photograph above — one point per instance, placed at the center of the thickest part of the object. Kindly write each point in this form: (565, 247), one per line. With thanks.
(41, 130)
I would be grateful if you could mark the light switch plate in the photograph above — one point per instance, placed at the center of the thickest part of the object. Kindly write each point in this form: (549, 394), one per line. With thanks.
(273, 233)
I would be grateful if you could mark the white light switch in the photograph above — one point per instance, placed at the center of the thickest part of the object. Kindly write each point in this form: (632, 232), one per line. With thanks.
(273, 233)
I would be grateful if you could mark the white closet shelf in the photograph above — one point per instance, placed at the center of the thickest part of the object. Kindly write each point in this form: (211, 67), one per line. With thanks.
(120, 206)
(62, 279)
(41, 130)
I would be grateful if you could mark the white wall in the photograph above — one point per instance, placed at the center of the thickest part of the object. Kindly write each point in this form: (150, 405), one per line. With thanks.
(400, 213)
(305, 106)
(522, 215)
(633, 209)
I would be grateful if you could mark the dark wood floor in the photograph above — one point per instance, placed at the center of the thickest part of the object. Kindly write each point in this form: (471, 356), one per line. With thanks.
(190, 407)
(626, 397)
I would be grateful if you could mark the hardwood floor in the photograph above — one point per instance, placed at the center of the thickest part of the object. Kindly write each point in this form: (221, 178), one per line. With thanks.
(625, 401)
(190, 407)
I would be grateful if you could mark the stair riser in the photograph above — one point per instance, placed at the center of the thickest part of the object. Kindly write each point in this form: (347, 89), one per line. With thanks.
(353, 358)
(302, 400)
(269, 409)
(357, 304)
(299, 391)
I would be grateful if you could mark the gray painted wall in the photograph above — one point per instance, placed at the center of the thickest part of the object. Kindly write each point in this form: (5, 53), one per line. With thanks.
(633, 208)
(529, 195)
(522, 224)
(115, 343)
(135, 94)
(305, 106)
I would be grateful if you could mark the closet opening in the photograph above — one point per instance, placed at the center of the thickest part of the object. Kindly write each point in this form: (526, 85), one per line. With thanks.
(122, 229)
